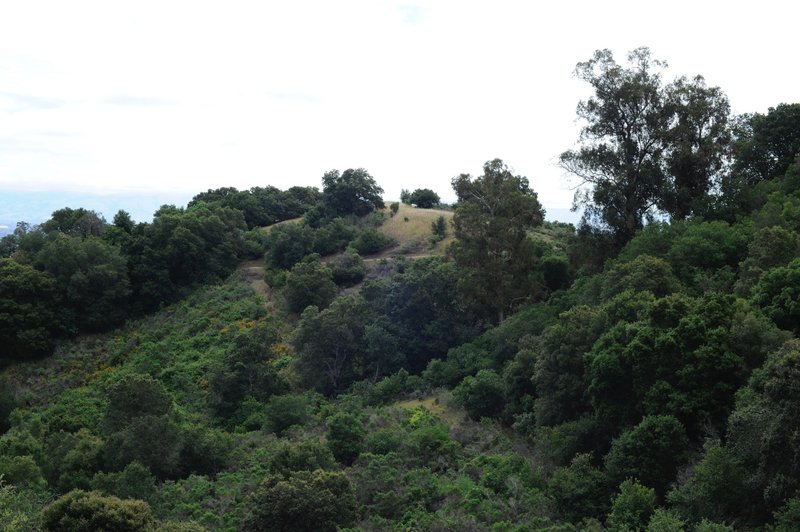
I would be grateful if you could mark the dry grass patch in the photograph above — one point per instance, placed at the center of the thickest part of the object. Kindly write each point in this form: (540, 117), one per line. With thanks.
(411, 228)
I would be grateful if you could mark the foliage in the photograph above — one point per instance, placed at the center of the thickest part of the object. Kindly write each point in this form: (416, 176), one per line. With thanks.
(492, 249)
(579, 490)
(139, 427)
(768, 144)
(652, 451)
(245, 370)
(20, 507)
(481, 395)
(309, 283)
(133, 482)
(262, 206)
(287, 244)
(716, 489)
(92, 277)
(644, 273)
(645, 146)
(28, 306)
(345, 437)
(370, 241)
(353, 191)
(348, 269)
(134, 396)
(560, 373)
(777, 293)
(423, 198)
(75, 222)
(81, 511)
(664, 520)
(329, 342)
(422, 310)
(632, 507)
(439, 229)
(305, 501)
(762, 429)
(787, 518)
(284, 411)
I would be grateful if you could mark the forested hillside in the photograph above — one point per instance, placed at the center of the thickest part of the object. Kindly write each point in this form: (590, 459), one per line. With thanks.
(317, 359)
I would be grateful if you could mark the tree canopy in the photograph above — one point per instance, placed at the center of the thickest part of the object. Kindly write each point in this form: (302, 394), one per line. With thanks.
(353, 191)
(492, 215)
(646, 147)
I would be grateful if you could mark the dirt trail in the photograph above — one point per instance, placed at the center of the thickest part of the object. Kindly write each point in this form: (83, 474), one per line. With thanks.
(253, 273)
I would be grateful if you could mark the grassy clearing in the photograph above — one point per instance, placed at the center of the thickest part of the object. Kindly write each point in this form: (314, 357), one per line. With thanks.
(411, 228)
(438, 405)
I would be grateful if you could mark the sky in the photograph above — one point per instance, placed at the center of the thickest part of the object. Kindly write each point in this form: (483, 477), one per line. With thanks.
(170, 98)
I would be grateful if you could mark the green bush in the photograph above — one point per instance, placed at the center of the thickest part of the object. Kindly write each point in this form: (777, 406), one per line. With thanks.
(481, 395)
(370, 241)
(309, 283)
(632, 507)
(81, 511)
(284, 411)
(345, 437)
(318, 501)
(348, 269)
(579, 490)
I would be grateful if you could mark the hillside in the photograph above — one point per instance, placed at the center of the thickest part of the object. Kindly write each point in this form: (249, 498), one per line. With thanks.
(304, 360)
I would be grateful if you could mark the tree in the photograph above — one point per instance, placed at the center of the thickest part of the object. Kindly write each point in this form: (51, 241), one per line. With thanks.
(422, 311)
(632, 507)
(284, 411)
(309, 283)
(287, 245)
(778, 294)
(716, 489)
(768, 144)
(424, 198)
(579, 490)
(245, 370)
(348, 268)
(645, 147)
(560, 371)
(345, 437)
(493, 214)
(304, 502)
(93, 278)
(123, 221)
(352, 192)
(75, 222)
(329, 342)
(650, 452)
(439, 228)
(696, 143)
(28, 304)
(81, 511)
(134, 396)
(139, 427)
(482, 395)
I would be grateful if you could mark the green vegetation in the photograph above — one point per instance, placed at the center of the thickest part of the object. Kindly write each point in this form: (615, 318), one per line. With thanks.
(638, 373)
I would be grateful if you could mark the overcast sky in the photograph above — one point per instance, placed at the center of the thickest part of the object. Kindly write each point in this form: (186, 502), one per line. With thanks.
(184, 96)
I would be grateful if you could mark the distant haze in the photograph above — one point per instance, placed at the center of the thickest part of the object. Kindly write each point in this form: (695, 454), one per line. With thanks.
(36, 207)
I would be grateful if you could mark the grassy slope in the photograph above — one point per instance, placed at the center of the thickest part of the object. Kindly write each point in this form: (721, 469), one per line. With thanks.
(177, 345)
(411, 228)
